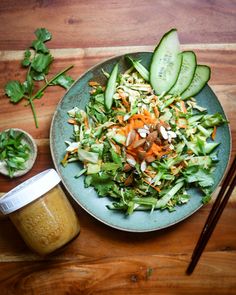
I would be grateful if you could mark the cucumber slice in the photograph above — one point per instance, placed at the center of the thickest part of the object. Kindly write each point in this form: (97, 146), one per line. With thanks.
(166, 63)
(111, 87)
(201, 77)
(186, 73)
(140, 68)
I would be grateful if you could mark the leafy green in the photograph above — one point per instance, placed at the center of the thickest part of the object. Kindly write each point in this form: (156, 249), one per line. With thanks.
(41, 62)
(13, 152)
(38, 45)
(63, 81)
(15, 91)
(43, 34)
(26, 61)
(102, 182)
(109, 166)
(203, 177)
(212, 120)
(38, 62)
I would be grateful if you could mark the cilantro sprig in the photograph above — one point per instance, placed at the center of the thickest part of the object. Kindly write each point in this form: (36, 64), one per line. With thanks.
(37, 60)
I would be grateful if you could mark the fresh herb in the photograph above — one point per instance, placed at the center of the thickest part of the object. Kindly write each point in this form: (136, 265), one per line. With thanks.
(37, 61)
(13, 152)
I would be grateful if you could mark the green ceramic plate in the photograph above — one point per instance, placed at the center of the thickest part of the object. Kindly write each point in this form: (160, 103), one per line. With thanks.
(78, 95)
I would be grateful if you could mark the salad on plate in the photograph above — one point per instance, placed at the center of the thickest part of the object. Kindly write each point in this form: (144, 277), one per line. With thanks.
(142, 139)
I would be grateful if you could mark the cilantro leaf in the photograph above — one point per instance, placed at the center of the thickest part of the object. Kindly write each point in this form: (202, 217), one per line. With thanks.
(63, 81)
(28, 85)
(15, 91)
(26, 61)
(199, 175)
(103, 183)
(37, 76)
(41, 62)
(43, 34)
(38, 45)
(109, 166)
(212, 120)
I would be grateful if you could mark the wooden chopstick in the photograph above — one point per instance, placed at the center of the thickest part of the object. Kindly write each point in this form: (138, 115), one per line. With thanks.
(216, 204)
(215, 213)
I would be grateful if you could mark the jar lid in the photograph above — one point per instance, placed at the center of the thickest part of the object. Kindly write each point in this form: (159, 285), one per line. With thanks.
(28, 191)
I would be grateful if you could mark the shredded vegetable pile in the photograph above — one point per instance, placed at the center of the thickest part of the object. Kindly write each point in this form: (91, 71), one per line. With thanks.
(147, 150)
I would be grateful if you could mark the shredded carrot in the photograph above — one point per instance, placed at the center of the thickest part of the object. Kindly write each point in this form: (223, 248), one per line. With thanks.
(125, 102)
(93, 83)
(156, 149)
(131, 124)
(72, 121)
(182, 123)
(175, 108)
(146, 113)
(121, 131)
(65, 158)
(117, 147)
(183, 107)
(137, 137)
(136, 123)
(86, 123)
(156, 188)
(149, 152)
(144, 118)
(134, 154)
(213, 135)
(156, 112)
(120, 119)
(150, 173)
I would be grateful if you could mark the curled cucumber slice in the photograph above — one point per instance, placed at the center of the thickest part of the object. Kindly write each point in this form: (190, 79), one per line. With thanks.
(140, 68)
(201, 77)
(186, 73)
(111, 87)
(166, 63)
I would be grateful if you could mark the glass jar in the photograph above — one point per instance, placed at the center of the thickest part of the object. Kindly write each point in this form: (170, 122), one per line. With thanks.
(41, 213)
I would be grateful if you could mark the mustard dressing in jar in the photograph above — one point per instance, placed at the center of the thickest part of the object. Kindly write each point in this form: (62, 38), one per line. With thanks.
(41, 213)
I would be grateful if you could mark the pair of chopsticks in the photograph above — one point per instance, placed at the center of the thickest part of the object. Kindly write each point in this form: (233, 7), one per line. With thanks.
(214, 215)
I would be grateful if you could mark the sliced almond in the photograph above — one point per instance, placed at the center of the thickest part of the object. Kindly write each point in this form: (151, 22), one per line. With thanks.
(131, 160)
(139, 142)
(163, 132)
(143, 166)
(147, 145)
(158, 141)
(172, 134)
(141, 155)
(150, 159)
(143, 132)
(127, 167)
(152, 136)
(129, 180)
(130, 137)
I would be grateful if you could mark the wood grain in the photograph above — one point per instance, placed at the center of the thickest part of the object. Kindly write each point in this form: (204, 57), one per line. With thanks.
(101, 23)
(103, 260)
(151, 274)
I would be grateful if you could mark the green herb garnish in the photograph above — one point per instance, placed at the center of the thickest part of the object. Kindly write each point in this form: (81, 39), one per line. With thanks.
(13, 152)
(38, 61)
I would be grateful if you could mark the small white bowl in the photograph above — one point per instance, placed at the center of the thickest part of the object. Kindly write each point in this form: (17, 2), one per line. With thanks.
(26, 139)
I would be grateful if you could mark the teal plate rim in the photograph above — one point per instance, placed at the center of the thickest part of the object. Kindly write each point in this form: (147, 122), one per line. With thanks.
(87, 198)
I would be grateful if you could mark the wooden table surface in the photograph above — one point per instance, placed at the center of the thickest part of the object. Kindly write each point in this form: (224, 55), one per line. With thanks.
(103, 260)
